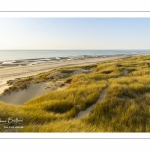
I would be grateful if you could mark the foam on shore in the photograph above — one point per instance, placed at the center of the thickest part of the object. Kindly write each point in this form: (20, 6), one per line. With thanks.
(34, 61)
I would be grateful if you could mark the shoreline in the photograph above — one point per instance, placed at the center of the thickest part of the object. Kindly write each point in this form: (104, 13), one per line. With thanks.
(35, 61)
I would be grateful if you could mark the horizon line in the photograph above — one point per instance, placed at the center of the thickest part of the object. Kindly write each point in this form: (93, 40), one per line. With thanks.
(68, 49)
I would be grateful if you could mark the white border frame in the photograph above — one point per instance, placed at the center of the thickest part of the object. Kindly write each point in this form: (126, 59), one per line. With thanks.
(75, 14)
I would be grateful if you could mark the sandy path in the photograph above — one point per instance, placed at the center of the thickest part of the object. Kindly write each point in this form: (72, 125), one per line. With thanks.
(81, 114)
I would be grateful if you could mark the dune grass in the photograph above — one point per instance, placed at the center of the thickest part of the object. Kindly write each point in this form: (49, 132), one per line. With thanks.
(126, 107)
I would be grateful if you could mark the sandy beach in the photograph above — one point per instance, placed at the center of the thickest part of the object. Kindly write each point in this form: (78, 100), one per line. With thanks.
(10, 73)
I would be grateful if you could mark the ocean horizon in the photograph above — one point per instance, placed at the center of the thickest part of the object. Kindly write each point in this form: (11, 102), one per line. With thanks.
(10, 55)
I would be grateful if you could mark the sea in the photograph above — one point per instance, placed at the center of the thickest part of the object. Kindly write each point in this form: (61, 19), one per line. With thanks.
(6, 55)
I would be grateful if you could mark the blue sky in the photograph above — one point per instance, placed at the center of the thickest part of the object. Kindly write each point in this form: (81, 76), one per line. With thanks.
(74, 33)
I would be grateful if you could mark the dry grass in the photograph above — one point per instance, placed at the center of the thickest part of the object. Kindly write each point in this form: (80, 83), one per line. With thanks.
(126, 107)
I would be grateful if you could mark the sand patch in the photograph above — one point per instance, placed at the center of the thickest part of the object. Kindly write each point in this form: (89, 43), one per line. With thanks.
(33, 91)
(21, 96)
(125, 72)
(81, 71)
(59, 75)
(58, 85)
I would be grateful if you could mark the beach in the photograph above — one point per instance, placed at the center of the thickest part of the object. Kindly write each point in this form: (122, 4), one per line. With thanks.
(11, 73)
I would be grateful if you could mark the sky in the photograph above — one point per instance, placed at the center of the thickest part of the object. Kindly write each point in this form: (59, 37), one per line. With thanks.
(74, 33)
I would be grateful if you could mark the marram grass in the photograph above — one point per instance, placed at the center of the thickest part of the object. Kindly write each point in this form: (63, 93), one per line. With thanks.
(125, 108)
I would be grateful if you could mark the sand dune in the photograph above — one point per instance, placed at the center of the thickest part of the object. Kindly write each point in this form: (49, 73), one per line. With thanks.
(36, 90)
(21, 96)
(33, 91)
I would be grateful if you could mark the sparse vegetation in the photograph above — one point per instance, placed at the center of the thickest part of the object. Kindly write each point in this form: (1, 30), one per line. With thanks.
(126, 107)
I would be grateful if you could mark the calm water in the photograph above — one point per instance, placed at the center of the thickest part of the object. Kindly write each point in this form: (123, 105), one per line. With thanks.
(26, 54)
